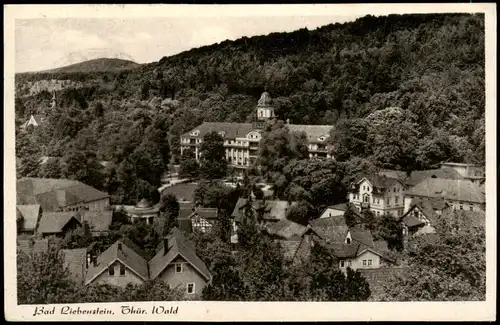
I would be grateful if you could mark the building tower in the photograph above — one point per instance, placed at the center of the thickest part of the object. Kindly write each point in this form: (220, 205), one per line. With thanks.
(264, 109)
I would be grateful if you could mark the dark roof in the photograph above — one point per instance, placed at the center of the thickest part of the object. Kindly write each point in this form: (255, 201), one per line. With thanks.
(410, 220)
(205, 213)
(272, 209)
(178, 245)
(449, 189)
(418, 176)
(127, 255)
(29, 215)
(231, 130)
(53, 194)
(29, 247)
(75, 261)
(331, 229)
(362, 236)
(54, 222)
(378, 181)
(285, 229)
(345, 250)
(99, 221)
(313, 132)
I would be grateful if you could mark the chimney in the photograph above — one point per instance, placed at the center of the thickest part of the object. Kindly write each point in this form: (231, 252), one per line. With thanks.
(165, 245)
(89, 261)
(119, 246)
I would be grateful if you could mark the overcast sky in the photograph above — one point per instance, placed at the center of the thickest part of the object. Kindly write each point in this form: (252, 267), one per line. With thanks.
(47, 43)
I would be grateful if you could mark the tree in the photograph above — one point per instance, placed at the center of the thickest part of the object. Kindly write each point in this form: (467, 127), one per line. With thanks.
(169, 211)
(189, 166)
(450, 267)
(369, 220)
(43, 279)
(51, 169)
(227, 283)
(213, 164)
(389, 229)
(350, 216)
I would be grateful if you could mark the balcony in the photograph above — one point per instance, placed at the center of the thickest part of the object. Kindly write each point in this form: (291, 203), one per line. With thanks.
(365, 205)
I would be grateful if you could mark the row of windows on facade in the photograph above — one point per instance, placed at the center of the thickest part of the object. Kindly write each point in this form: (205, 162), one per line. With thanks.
(178, 269)
(366, 199)
(396, 189)
(349, 263)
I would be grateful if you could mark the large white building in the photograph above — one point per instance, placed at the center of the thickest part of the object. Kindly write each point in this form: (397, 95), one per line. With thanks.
(241, 140)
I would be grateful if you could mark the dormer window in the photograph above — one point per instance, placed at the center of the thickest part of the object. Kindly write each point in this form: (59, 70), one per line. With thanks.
(222, 133)
(322, 138)
(195, 133)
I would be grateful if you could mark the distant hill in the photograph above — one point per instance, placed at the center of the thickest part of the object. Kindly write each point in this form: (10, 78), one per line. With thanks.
(96, 65)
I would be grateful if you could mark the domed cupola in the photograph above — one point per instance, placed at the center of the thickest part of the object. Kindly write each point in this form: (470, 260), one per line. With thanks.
(264, 109)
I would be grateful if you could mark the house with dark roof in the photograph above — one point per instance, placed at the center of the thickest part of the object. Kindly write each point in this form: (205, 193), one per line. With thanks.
(175, 262)
(75, 260)
(352, 246)
(30, 247)
(459, 194)
(418, 176)
(241, 140)
(59, 223)
(27, 218)
(380, 194)
(420, 216)
(60, 195)
(203, 219)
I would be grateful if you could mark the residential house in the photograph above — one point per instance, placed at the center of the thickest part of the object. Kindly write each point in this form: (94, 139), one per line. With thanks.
(60, 195)
(471, 172)
(34, 120)
(339, 210)
(417, 176)
(203, 219)
(268, 211)
(352, 246)
(122, 263)
(27, 217)
(459, 194)
(75, 260)
(30, 247)
(59, 223)
(175, 262)
(420, 216)
(380, 194)
(241, 140)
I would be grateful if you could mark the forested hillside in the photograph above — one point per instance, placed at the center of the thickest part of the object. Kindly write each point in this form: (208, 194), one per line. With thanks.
(401, 90)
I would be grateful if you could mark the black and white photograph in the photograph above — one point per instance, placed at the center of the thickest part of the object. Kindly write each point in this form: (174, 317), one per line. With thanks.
(166, 162)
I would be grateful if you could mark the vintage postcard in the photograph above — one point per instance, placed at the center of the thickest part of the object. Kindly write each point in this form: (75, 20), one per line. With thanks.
(250, 163)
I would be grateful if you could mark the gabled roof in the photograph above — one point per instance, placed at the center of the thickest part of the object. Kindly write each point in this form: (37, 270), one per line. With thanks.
(126, 255)
(449, 189)
(272, 209)
(331, 229)
(410, 220)
(30, 247)
(54, 222)
(52, 194)
(38, 118)
(286, 229)
(362, 236)
(418, 176)
(380, 182)
(178, 245)
(205, 213)
(99, 221)
(75, 261)
(29, 215)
